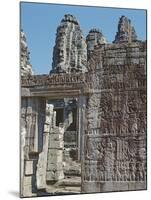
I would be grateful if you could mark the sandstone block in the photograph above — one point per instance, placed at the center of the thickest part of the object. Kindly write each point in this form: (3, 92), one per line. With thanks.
(54, 166)
(56, 144)
(54, 175)
(27, 180)
(28, 167)
(55, 156)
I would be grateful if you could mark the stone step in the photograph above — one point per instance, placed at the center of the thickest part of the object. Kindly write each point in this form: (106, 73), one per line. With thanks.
(71, 182)
(64, 190)
(72, 172)
(73, 189)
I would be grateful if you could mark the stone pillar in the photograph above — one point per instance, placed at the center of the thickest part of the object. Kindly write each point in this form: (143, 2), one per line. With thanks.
(31, 129)
(22, 144)
(42, 161)
(81, 125)
(55, 155)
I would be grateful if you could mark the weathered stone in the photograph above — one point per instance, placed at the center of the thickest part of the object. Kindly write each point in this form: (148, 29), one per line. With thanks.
(94, 38)
(26, 68)
(28, 180)
(70, 51)
(112, 138)
(55, 175)
(53, 166)
(28, 167)
(42, 162)
(56, 144)
(55, 155)
(126, 32)
(27, 191)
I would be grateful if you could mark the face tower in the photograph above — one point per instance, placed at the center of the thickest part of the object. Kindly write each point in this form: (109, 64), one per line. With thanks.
(26, 68)
(126, 32)
(70, 50)
(94, 38)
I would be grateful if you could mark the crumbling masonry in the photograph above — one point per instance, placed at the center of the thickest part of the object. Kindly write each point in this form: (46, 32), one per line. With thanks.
(83, 125)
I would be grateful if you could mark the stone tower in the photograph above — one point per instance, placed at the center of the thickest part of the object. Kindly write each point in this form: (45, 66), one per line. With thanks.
(95, 37)
(26, 68)
(70, 50)
(126, 32)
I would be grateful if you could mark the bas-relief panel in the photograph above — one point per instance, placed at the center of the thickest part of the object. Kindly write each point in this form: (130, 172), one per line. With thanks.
(115, 137)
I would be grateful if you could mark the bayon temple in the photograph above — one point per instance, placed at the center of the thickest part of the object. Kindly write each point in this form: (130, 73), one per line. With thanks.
(83, 125)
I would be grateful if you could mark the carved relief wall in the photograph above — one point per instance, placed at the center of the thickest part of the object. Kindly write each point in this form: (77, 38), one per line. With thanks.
(115, 137)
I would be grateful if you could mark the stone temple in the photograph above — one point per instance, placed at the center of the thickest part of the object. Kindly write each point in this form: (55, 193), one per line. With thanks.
(83, 125)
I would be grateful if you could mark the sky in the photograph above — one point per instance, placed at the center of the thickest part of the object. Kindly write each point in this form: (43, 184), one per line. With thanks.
(39, 21)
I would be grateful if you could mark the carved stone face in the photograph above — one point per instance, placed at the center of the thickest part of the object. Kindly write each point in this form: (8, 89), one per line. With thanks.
(70, 52)
(24, 56)
(60, 55)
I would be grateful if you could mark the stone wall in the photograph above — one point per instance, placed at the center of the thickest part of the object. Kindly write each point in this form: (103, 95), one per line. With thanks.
(115, 136)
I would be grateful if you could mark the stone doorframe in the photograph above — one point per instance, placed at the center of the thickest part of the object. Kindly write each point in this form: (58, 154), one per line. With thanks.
(81, 106)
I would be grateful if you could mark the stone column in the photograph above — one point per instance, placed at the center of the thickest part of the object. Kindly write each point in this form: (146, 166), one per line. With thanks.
(31, 119)
(42, 161)
(81, 125)
(55, 155)
(22, 145)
